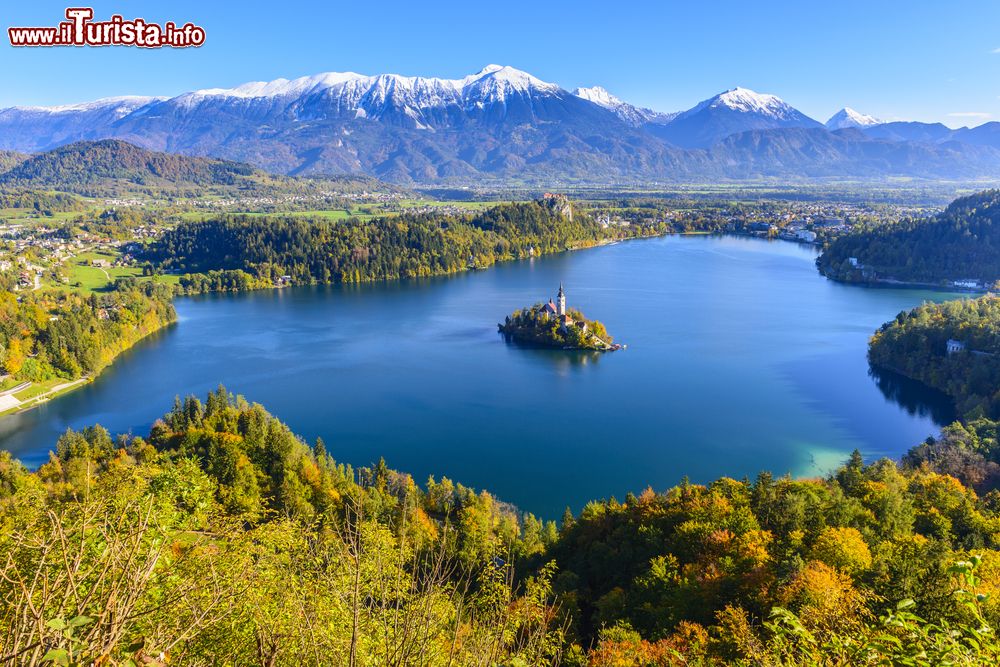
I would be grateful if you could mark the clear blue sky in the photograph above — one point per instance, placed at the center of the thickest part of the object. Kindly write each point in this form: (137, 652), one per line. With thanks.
(918, 60)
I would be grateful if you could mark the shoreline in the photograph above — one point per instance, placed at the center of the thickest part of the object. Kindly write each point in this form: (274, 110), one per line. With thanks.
(69, 385)
(35, 401)
(906, 284)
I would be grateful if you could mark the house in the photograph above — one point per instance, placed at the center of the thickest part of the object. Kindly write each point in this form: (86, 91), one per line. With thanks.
(100, 263)
(955, 346)
(567, 321)
(828, 222)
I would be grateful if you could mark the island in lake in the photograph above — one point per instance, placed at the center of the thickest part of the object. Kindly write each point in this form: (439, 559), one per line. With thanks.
(553, 325)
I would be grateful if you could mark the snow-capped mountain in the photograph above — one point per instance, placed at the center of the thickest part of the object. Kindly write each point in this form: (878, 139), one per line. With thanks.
(120, 106)
(501, 122)
(406, 99)
(38, 128)
(631, 114)
(731, 112)
(599, 95)
(744, 100)
(848, 117)
(401, 127)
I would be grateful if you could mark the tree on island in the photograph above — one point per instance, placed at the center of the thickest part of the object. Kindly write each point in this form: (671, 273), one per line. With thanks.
(552, 324)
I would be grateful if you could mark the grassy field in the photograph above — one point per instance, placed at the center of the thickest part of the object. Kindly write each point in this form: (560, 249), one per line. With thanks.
(30, 397)
(25, 216)
(85, 277)
(39, 388)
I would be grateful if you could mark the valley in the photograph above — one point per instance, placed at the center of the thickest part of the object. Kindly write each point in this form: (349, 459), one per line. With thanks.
(363, 314)
(670, 338)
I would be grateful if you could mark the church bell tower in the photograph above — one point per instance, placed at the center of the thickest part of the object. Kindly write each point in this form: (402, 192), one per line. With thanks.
(561, 301)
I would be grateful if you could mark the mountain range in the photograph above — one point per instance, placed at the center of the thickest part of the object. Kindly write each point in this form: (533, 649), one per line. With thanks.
(503, 124)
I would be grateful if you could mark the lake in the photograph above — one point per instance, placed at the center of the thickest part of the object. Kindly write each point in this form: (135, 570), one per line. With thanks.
(741, 357)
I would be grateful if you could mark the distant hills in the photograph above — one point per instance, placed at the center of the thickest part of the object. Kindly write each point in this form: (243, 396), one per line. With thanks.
(732, 112)
(112, 167)
(962, 243)
(503, 124)
(10, 159)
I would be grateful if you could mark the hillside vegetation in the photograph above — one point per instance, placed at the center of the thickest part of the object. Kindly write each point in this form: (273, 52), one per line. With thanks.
(51, 335)
(221, 538)
(10, 159)
(116, 168)
(242, 252)
(962, 243)
(916, 345)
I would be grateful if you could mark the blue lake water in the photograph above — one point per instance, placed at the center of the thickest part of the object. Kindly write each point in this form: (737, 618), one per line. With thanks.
(740, 358)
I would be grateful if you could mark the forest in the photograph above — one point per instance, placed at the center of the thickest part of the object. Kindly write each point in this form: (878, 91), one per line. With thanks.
(915, 344)
(961, 243)
(221, 538)
(113, 168)
(248, 252)
(45, 335)
(41, 202)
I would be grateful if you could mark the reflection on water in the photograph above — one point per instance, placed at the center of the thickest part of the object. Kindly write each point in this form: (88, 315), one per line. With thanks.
(562, 361)
(915, 397)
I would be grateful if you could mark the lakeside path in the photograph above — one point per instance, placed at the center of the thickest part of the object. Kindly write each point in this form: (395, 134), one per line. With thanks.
(10, 404)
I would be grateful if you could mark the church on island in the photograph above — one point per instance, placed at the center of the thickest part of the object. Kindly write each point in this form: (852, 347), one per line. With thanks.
(551, 325)
(557, 309)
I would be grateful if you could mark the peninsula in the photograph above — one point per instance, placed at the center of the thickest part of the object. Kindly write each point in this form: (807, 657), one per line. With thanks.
(553, 325)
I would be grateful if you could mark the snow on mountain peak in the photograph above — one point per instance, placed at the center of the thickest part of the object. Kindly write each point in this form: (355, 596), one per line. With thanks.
(121, 105)
(744, 99)
(496, 81)
(492, 83)
(631, 114)
(849, 118)
(276, 88)
(598, 95)
(489, 69)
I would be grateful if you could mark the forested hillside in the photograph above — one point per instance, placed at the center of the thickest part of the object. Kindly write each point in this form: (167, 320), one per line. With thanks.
(48, 335)
(10, 159)
(238, 252)
(222, 538)
(116, 168)
(916, 345)
(42, 202)
(962, 243)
